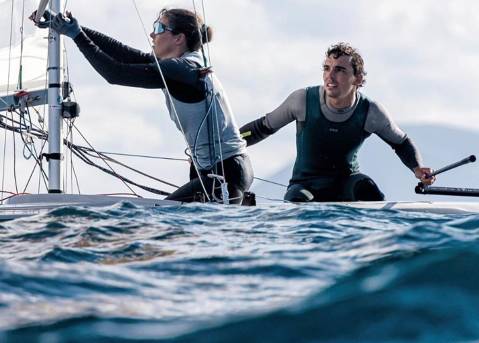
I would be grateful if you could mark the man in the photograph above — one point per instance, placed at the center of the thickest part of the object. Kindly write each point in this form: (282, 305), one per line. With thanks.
(332, 122)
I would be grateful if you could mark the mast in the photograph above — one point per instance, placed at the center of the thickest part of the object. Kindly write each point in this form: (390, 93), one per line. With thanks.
(54, 106)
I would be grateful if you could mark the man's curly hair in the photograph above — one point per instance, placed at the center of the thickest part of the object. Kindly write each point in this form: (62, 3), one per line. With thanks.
(357, 62)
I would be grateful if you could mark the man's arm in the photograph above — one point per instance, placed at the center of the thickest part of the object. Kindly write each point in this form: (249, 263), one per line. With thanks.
(293, 108)
(380, 123)
(255, 131)
(408, 153)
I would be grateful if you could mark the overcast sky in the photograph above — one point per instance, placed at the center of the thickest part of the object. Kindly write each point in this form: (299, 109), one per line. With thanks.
(420, 57)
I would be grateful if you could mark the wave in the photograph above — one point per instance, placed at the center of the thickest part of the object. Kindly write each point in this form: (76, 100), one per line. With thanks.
(430, 297)
(205, 273)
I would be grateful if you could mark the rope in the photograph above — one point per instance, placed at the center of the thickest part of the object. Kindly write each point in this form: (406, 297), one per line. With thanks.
(144, 156)
(20, 72)
(19, 129)
(68, 156)
(29, 130)
(83, 153)
(14, 158)
(122, 178)
(88, 152)
(10, 47)
(41, 173)
(272, 199)
(76, 178)
(104, 161)
(170, 99)
(272, 182)
(8, 91)
(223, 182)
(207, 38)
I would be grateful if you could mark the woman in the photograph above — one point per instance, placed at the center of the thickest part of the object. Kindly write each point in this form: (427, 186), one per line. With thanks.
(194, 97)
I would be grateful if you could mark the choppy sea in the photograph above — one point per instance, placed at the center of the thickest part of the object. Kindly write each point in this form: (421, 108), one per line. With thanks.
(207, 273)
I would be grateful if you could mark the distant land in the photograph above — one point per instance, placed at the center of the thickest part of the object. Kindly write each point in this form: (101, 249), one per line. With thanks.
(439, 146)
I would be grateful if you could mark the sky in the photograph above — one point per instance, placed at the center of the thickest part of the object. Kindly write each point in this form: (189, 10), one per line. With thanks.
(421, 58)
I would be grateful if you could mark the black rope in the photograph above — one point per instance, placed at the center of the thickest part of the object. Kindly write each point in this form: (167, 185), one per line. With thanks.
(85, 159)
(83, 153)
(96, 154)
(271, 182)
(144, 156)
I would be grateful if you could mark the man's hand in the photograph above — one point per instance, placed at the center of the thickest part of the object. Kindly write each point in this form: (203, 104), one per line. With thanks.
(255, 131)
(423, 174)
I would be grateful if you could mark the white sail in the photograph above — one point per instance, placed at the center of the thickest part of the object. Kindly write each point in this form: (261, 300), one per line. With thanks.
(33, 58)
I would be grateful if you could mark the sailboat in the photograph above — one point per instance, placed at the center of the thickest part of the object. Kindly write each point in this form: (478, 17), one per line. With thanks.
(23, 59)
(30, 89)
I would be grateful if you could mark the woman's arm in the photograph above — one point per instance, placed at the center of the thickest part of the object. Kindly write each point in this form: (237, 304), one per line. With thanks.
(181, 75)
(117, 50)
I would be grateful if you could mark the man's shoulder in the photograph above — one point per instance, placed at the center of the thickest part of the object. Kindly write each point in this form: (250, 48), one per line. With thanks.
(375, 107)
(297, 98)
(299, 92)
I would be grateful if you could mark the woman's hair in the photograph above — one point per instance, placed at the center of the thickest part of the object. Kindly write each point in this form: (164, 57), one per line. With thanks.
(191, 25)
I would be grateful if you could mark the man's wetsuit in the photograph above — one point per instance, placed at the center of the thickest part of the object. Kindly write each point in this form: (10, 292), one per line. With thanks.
(198, 105)
(326, 167)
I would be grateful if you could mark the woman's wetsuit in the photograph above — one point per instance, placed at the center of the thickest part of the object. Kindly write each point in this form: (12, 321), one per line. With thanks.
(198, 105)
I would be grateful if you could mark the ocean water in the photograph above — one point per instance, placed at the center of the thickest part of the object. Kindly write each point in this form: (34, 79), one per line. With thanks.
(207, 273)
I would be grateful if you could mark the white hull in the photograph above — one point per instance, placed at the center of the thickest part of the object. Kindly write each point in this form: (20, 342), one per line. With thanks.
(28, 205)
(418, 206)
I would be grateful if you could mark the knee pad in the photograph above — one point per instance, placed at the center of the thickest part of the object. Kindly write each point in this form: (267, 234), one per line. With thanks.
(297, 193)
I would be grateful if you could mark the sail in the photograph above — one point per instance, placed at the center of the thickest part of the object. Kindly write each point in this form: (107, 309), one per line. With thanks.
(22, 66)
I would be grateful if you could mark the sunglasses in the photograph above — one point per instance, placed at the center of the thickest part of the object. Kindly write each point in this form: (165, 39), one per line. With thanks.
(159, 27)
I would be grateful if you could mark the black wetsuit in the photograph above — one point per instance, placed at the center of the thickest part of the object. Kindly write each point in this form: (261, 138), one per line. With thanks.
(122, 65)
(326, 167)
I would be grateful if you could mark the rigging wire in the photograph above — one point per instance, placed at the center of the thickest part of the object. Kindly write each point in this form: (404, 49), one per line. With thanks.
(213, 94)
(145, 156)
(10, 46)
(67, 158)
(207, 38)
(70, 127)
(18, 129)
(8, 91)
(20, 72)
(171, 103)
(14, 158)
(88, 152)
(29, 130)
(108, 170)
(104, 161)
(83, 152)
(76, 178)
(271, 182)
(42, 172)
(273, 199)
(45, 109)
(120, 177)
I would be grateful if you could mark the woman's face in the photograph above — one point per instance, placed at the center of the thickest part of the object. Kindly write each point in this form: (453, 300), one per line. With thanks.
(164, 40)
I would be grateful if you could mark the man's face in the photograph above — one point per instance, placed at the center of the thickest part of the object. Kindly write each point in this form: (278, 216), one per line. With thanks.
(338, 76)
